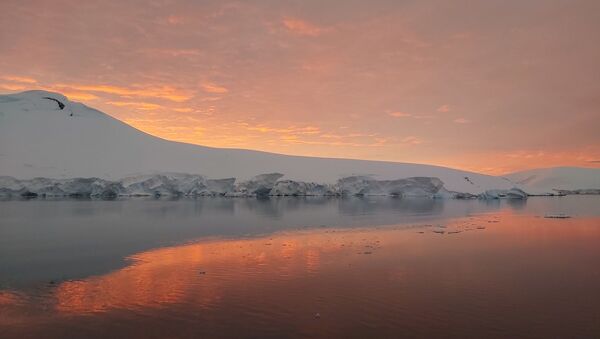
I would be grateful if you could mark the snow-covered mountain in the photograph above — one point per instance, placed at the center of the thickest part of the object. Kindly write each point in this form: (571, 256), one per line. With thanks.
(558, 179)
(43, 134)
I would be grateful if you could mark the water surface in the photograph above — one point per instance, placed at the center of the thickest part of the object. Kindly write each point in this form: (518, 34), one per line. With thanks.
(300, 267)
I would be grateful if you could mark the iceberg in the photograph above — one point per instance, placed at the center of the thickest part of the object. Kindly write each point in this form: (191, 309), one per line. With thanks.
(513, 193)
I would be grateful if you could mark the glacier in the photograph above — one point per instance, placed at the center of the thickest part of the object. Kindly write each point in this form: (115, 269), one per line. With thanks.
(52, 146)
(38, 138)
(558, 180)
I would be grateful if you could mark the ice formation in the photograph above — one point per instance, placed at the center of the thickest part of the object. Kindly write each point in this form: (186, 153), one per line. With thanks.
(513, 193)
(39, 138)
(415, 187)
(45, 135)
(178, 184)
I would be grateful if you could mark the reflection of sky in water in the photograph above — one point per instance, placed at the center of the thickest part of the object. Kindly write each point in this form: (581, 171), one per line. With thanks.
(54, 240)
(518, 273)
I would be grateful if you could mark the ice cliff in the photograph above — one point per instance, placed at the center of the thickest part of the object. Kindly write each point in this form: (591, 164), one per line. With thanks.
(177, 184)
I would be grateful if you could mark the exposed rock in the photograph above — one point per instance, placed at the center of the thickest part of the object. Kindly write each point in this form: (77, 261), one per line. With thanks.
(60, 104)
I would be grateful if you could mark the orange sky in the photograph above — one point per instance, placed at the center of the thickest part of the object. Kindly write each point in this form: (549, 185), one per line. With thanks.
(488, 86)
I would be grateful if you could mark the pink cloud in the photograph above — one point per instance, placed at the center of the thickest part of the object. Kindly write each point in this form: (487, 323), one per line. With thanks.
(302, 27)
(214, 88)
(443, 109)
(24, 80)
(399, 114)
(412, 140)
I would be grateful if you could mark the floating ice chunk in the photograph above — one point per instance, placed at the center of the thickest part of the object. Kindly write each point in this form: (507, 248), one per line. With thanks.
(557, 216)
(515, 193)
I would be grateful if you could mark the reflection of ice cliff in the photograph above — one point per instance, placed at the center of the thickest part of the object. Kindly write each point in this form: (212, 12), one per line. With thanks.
(176, 184)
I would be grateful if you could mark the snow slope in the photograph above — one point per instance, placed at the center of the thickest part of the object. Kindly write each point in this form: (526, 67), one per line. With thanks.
(551, 180)
(39, 139)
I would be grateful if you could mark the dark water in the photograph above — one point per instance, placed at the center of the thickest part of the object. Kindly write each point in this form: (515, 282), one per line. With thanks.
(291, 267)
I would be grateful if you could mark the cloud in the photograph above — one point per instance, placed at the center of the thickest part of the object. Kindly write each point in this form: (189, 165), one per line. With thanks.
(301, 27)
(174, 20)
(163, 92)
(79, 96)
(171, 52)
(214, 88)
(462, 121)
(400, 114)
(16, 83)
(12, 87)
(526, 154)
(443, 109)
(287, 130)
(411, 140)
(25, 80)
(144, 106)
(183, 110)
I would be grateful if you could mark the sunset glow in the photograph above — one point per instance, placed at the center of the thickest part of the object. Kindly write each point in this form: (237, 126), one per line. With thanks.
(208, 273)
(505, 86)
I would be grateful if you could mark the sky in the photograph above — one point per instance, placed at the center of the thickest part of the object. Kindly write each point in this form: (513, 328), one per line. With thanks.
(487, 86)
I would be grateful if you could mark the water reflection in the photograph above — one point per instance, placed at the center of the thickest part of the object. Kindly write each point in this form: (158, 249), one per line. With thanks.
(43, 240)
(501, 273)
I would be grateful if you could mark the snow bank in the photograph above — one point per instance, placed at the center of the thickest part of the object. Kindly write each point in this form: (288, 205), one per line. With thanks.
(38, 138)
(45, 135)
(558, 180)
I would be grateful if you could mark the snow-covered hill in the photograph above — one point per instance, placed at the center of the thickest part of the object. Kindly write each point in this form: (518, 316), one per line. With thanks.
(558, 179)
(43, 134)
